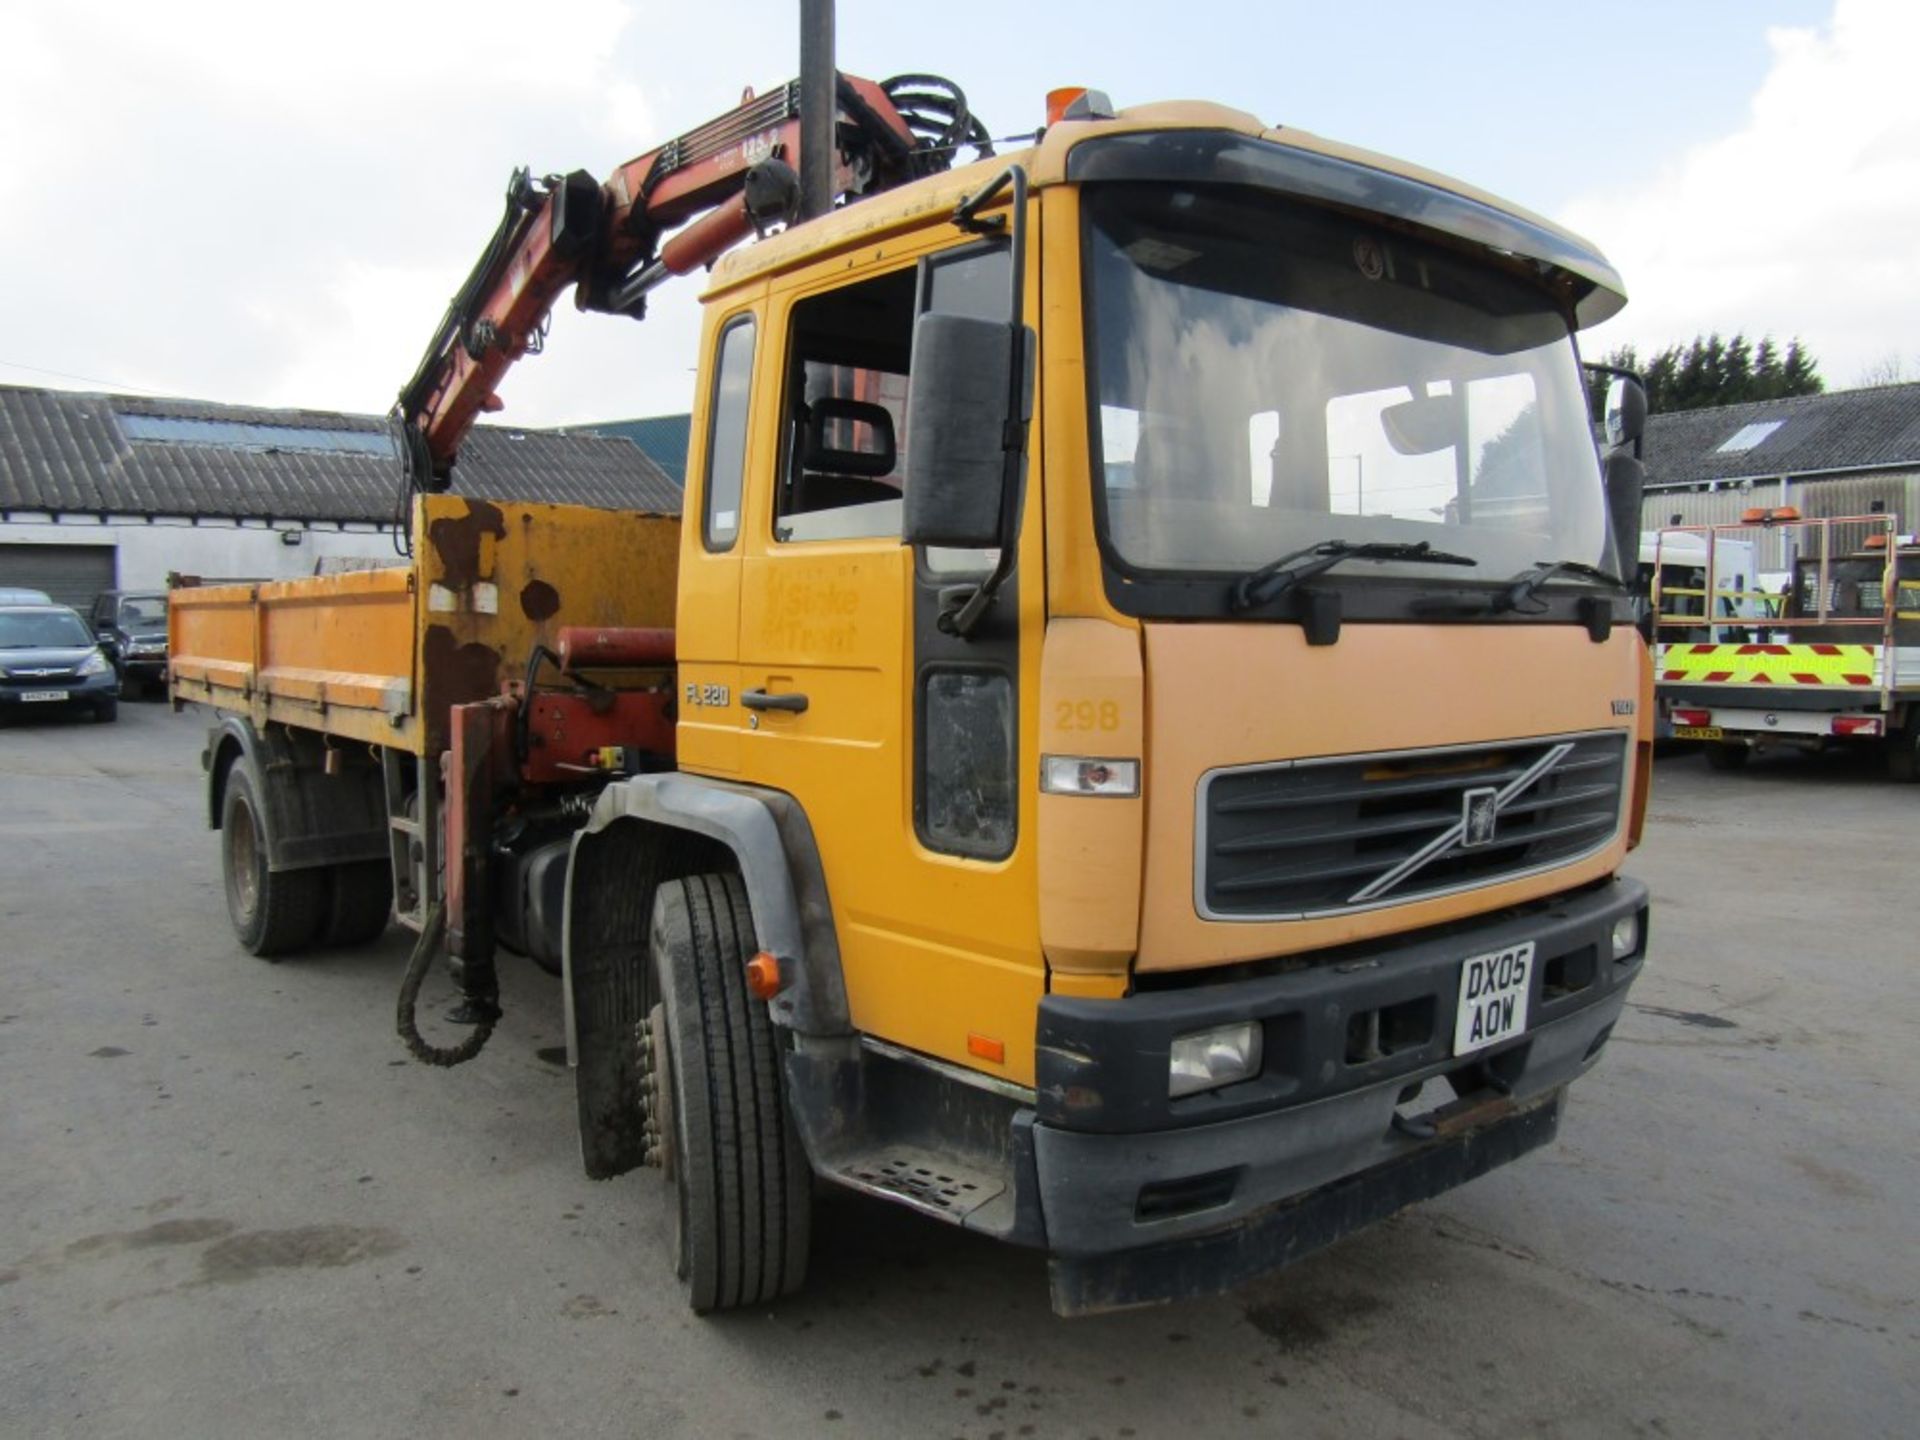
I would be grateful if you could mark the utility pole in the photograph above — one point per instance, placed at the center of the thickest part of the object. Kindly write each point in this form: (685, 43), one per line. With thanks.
(819, 108)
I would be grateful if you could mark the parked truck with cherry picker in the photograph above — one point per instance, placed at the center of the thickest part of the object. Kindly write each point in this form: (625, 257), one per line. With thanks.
(1831, 660)
(1128, 747)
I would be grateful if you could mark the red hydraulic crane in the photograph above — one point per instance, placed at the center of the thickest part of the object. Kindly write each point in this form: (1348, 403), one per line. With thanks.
(711, 188)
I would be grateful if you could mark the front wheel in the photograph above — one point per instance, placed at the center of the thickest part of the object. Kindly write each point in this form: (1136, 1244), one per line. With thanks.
(273, 911)
(741, 1183)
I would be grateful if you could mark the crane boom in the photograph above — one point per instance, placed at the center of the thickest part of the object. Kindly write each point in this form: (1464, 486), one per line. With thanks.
(711, 188)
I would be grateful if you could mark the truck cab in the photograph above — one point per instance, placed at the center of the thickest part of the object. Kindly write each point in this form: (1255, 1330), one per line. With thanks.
(1256, 840)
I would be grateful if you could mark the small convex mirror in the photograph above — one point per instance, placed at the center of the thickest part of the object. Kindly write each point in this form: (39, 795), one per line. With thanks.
(1626, 411)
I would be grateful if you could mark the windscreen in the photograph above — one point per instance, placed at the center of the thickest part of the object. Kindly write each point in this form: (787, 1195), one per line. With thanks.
(144, 612)
(1269, 375)
(42, 630)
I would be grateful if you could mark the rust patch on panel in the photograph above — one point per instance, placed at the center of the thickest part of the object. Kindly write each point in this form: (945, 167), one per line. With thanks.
(456, 673)
(539, 601)
(456, 540)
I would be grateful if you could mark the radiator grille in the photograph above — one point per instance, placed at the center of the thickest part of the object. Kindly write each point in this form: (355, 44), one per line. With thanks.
(1313, 836)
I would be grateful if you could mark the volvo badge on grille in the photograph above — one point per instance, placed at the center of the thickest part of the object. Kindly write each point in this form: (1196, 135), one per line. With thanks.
(1480, 810)
(1479, 816)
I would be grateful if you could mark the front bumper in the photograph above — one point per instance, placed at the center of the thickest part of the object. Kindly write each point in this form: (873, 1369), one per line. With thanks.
(88, 691)
(151, 669)
(1146, 1198)
(1205, 1264)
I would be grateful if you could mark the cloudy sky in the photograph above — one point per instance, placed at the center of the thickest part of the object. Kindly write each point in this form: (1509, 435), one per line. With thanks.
(271, 204)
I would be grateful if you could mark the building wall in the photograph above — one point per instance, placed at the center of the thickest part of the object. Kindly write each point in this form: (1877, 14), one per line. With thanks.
(148, 551)
(1815, 497)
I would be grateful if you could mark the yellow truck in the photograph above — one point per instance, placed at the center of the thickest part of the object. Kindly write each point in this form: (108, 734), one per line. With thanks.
(1129, 747)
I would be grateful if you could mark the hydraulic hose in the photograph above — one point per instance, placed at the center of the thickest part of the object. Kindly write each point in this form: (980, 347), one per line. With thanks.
(418, 964)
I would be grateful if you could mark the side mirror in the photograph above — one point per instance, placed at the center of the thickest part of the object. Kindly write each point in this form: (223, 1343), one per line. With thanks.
(1626, 412)
(1626, 481)
(957, 428)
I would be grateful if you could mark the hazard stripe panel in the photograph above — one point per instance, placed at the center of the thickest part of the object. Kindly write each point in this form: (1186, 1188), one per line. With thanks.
(1753, 664)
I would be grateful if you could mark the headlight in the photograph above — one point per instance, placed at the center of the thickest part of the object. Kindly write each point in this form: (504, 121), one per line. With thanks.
(94, 664)
(1208, 1059)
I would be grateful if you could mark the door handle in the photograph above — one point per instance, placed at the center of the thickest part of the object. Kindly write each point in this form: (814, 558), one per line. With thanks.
(761, 700)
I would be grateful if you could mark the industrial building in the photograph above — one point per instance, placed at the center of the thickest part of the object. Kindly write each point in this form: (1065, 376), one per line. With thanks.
(1850, 452)
(102, 492)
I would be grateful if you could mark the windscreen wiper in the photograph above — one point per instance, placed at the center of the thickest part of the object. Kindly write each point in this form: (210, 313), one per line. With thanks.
(1276, 577)
(1521, 587)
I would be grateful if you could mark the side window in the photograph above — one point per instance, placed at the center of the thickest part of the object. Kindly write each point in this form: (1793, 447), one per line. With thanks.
(845, 446)
(727, 435)
(973, 280)
(846, 436)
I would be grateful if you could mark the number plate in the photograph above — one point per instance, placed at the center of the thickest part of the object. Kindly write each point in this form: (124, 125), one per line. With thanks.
(1698, 732)
(1493, 998)
(32, 695)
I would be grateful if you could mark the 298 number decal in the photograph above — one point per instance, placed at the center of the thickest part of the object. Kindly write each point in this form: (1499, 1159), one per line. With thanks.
(1087, 715)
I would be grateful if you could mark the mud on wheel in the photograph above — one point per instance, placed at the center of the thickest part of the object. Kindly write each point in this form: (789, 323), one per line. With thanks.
(741, 1184)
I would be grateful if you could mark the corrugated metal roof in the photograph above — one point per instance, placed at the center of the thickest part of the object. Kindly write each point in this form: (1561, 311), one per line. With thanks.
(76, 452)
(1846, 430)
(663, 437)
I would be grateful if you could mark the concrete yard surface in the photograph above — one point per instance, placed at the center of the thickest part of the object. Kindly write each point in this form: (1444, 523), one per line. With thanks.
(231, 1206)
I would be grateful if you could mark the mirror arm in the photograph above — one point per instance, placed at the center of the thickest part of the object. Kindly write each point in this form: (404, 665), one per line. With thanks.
(966, 214)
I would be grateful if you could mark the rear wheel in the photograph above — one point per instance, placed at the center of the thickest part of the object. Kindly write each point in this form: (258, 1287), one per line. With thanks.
(273, 912)
(742, 1186)
(359, 903)
(1903, 753)
(1727, 755)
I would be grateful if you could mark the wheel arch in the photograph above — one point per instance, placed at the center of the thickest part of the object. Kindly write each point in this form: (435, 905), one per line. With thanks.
(654, 828)
(230, 740)
(308, 817)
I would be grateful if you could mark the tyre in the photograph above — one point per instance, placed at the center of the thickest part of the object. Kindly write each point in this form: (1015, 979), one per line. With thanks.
(130, 688)
(273, 912)
(1903, 754)
(742, 1186)
(106, 711)
(1727, 755)
(359, 903)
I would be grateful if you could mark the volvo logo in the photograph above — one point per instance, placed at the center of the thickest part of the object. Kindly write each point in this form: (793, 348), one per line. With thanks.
(1479, 816)
(1478, 824)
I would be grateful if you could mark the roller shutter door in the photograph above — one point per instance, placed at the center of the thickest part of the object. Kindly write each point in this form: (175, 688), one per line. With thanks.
(71, 574)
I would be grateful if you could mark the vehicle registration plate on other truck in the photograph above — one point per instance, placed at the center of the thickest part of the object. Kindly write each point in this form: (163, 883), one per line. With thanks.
(1698, 732)
(1493, 998)
(32, 695)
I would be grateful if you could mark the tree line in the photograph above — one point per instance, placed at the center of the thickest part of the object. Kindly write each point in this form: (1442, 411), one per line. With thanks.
(1711, 371)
